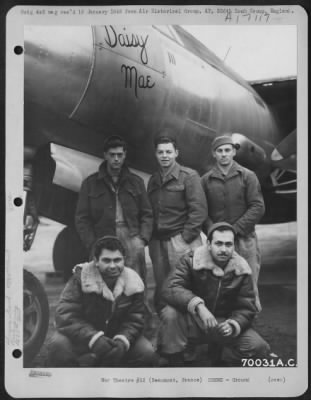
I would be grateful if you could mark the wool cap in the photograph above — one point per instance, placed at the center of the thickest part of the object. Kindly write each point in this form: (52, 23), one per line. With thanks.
(219, 225)
(221, 140)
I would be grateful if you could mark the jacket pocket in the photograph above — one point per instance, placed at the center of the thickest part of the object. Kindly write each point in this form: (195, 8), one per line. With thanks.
(98, 204)
(97, 191)
(132, 193)
(174, 197)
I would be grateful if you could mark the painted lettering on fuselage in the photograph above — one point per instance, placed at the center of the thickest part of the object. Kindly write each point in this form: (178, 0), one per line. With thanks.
(135, 81)
(132, 78)
(114, 39)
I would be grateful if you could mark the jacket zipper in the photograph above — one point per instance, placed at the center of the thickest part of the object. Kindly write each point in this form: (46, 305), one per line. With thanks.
(217, 295)
(113, 307)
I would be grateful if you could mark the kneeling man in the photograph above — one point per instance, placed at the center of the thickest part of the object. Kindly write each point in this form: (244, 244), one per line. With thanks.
(100, 315)
(211, 300)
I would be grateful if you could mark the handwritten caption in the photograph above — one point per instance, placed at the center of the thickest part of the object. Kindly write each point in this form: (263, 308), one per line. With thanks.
(227, 14)
(13, 320)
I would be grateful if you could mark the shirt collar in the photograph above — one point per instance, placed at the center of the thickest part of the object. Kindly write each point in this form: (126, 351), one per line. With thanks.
(172, 173)
(103, 172)
(234, 170)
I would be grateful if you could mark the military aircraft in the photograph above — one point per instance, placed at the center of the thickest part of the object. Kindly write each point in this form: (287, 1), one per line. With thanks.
(84, 83)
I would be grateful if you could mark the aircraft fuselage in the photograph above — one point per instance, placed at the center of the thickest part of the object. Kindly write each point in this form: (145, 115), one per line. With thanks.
(83, 84)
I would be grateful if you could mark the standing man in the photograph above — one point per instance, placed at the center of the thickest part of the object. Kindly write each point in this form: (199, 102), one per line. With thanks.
(114, 201)
(211, 300)
(233, 194)
(179, 209)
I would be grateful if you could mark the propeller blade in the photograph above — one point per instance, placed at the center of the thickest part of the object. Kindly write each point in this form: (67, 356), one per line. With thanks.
(284, 155)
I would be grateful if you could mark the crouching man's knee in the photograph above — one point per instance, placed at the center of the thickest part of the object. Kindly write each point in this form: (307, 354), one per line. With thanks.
(173, 331)
(60, 352)
(142, 354)
(169, 314)
(248, 345)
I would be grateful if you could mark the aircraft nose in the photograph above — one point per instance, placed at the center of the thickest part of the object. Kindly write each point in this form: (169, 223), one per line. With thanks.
(57, 64)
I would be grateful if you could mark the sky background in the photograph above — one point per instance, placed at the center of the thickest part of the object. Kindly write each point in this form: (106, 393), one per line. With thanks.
(255, 52)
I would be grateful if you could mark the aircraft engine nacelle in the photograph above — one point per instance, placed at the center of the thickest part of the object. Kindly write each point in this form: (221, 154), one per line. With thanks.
(248, 153)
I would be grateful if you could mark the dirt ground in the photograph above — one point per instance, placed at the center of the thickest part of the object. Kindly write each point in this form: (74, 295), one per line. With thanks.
(276, 323)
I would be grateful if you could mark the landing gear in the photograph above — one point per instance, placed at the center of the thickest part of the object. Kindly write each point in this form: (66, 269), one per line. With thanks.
(284, 182)
(68, 251)
(36, 316)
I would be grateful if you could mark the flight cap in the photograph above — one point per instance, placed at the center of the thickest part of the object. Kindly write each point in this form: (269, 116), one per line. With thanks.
(221, 140)
(219, 225)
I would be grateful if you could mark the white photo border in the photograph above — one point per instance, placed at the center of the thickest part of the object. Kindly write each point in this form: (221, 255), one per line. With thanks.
(90, 382)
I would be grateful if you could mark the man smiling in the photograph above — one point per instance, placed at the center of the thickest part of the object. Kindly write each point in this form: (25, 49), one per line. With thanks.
(100, 315)
(179, 209)
(211, 300)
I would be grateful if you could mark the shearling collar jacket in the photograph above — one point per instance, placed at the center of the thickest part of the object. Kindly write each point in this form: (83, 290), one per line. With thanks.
(202, 259)
(225, 292)
(92, 282)
(88, 306)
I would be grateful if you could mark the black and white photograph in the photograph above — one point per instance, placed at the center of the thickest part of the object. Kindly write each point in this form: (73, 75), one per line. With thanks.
(151, 235)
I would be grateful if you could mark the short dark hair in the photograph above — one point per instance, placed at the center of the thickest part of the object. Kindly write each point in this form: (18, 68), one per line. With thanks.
(114, 141)
(111, 243)
(165, 135)
(220, 229)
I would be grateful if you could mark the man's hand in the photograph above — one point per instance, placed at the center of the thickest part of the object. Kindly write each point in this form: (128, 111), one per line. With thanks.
(103, 346)
(138, 242)
(207, 318)
(225, 329)
(118, 352)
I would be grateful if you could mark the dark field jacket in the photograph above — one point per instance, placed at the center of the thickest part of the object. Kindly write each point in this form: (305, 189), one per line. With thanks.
(226, 293)
(235, 198)
(96, 208)
(178, 204)
(87, 307)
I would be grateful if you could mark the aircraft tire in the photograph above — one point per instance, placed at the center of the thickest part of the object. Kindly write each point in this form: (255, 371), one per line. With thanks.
(68, 251)
(36, 316)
